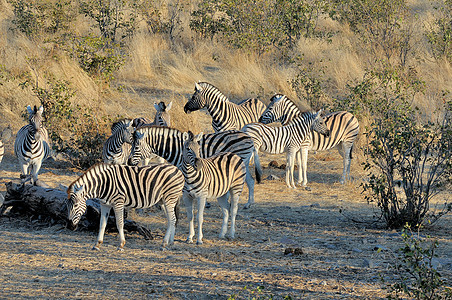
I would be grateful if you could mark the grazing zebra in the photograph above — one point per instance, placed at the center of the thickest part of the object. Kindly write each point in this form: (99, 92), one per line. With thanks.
(32, 145)
(288, 138)
(220, 176)
(162, 117)
(168, 143)
(344, 129)
(118, 186)
(225, 115)
(117, 147)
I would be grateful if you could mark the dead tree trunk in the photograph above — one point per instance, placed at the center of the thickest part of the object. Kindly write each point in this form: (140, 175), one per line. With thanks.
(50, 206)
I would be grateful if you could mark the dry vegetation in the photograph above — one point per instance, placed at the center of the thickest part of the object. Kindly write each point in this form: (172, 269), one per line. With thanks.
(341, 259)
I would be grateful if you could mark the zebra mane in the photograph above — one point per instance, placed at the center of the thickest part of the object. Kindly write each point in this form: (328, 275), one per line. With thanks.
(120, 121)
(95, 166)
(216, 91)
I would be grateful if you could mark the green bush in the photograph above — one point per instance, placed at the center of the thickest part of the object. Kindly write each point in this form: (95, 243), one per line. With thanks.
(416, 276)
(440, 34)
(401, 151)
(74, 130)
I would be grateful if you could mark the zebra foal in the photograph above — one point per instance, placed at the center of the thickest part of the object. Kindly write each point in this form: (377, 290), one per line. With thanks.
(168, 143)
(343, 126)
(32, 144)
(220, 176)
(225, 115)
(116, 148)
(118, 186)
(288, 139)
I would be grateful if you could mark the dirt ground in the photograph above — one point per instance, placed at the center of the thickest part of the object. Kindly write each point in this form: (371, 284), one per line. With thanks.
(339, 259)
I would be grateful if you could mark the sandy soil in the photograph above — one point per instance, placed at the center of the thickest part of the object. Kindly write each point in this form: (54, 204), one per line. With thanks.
(339, 260)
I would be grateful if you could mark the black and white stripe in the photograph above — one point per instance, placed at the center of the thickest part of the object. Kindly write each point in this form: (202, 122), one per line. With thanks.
(117, 147)
(288, 139)
(168, 143)
(32, 144)
(220, 176)
(118, 186)
(343, 126)
(225, 115)
(2, 150)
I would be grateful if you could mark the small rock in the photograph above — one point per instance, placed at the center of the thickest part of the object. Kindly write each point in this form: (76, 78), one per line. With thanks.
(380, 248)
(315, 205)
(272, 177)
(273, 164)
(293, 251)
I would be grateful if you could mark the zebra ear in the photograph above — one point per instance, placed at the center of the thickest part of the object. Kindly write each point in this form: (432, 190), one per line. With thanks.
(41, 109)
(185, 136)
(156, 106)
(29, 109)
(197, 87)
(198, 137)
(168, 107)
(78, 189)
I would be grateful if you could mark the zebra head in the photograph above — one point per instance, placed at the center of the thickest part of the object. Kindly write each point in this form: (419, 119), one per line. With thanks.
(197, 101)
(123, 129)
(76, 204)
(35, 118)
(162, 117)
(140, 148)
(191, 149)
(275, 110)
(319, 124)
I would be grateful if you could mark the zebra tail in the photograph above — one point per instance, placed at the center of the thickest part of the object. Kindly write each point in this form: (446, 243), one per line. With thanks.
(257, 167)
(176, 210)
(351, 151)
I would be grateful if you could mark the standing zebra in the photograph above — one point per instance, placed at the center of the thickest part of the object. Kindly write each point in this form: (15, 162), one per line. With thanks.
(220, 176)
(161, 118)
(121, 186)
(288, 138)
(117, 147)
(168, 143)
(32, 144)
(343, 126)
(225, 115)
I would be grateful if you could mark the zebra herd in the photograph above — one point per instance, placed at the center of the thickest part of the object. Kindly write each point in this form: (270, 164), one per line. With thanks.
(198, 167)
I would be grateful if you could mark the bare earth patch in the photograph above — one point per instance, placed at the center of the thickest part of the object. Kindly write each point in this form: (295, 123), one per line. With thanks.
(292, 242)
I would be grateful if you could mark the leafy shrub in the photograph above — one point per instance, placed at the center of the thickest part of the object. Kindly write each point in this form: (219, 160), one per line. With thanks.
(75, 131)
(417, 278)
(440, 34)
(401, 150)
(36, 17)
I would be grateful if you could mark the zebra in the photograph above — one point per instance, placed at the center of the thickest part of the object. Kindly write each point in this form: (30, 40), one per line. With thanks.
(32, 145)
(288, 138)
(161, 118)
(226, 115)
(344, 129)
(168, 143)
(117, 147)
(220, 176)
(119, 186)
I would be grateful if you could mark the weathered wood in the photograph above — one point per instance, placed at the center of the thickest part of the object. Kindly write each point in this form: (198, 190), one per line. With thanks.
(50, 204)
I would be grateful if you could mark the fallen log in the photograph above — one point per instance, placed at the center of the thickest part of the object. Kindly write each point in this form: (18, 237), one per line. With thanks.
(50, 206)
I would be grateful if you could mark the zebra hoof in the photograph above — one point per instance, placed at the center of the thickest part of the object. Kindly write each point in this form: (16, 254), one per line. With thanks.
(120, 249)
(189, 241)
(307, 188)
(199, 243)
(247, 206)
(96, 248)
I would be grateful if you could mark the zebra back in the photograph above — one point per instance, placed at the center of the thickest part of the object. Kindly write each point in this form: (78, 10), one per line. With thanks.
(117, 147)
(343, 126)
(168, 143)
(136, 187)
(215, 175)
(225, 115)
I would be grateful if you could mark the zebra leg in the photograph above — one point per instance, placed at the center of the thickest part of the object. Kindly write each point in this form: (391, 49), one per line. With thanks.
(224, 206)
(250, 183)
(289, 168)
(201, 206)
(188, 201)
(347, 155)
(119, 214)
(300, 167)
(35, 170)
(304, 167)
(171, 226)
(233, 210)
(104, 212)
